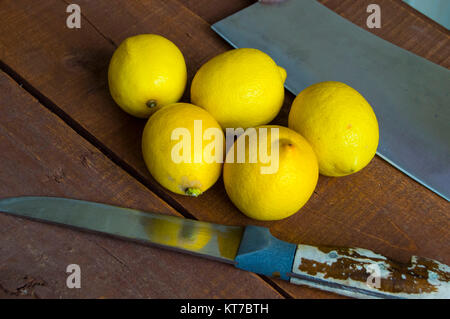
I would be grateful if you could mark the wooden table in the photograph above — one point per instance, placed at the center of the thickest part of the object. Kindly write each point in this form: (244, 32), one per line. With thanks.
(62, 135)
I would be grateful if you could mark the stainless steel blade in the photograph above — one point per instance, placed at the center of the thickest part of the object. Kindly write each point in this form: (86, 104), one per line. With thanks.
(410, 95)
(209, 240)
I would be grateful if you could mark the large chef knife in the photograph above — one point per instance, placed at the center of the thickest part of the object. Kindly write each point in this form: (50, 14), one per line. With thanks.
(353, 272)
(410, 95)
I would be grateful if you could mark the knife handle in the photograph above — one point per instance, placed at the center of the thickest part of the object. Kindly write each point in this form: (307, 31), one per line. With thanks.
(361, 273)
(352, 272)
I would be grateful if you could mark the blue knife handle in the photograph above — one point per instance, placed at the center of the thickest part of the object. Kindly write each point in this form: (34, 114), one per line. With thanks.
(262, 253)
(353, 272)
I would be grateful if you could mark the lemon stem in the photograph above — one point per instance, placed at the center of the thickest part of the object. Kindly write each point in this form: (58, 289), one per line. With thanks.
(192, 191)
(151, 103)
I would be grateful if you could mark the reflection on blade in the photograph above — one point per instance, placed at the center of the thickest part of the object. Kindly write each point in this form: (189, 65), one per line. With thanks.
(206, 239)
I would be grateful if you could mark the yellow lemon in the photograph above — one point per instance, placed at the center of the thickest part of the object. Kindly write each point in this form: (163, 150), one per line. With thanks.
(182, 145)
(146, 72)
(170, 231)
(240, 88)
(339, 124)
(276, 194)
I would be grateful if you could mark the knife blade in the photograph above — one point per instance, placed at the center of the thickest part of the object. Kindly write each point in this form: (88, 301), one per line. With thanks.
(409, 94)
(195, 237)
(438, 10)
(353, 272)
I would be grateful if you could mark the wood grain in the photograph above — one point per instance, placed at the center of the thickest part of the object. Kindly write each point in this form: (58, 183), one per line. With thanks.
(40, 155)
(378, 208)
(412, 31)
(213, 11)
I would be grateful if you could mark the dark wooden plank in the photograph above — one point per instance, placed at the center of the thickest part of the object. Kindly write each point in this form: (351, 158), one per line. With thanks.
(213, 11)
(41, 155)
(378, 208)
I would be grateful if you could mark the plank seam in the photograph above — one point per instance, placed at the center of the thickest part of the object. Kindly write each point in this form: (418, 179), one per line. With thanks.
(275, 286)
(79, 129)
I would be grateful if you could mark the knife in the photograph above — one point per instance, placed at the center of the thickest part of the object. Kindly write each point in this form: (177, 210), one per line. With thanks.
(352, 272)
(409, 94)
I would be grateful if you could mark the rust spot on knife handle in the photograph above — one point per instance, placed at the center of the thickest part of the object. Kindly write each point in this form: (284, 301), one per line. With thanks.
(355, 272)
